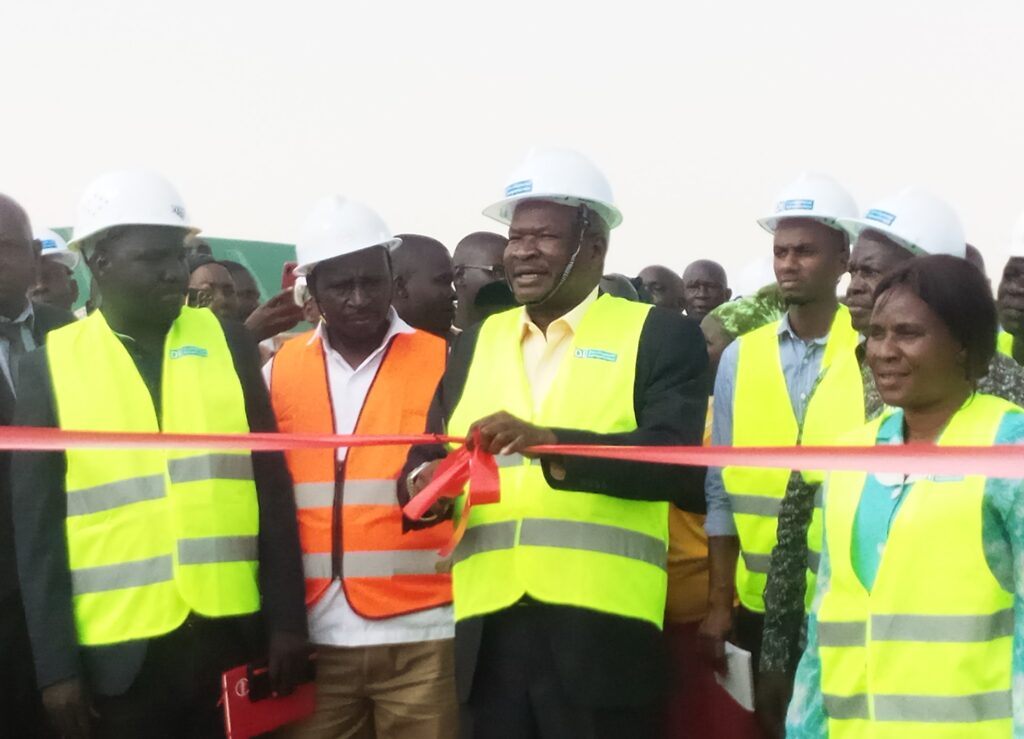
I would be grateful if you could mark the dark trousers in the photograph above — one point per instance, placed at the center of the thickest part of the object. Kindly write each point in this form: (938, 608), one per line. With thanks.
(21, 711)
(176, 692)
(518, 693)
(748, 628)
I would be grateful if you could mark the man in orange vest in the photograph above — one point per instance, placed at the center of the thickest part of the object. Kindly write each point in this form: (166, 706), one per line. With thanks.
(378, 601)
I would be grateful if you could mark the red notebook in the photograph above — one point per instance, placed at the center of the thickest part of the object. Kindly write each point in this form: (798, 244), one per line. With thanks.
(247, 713)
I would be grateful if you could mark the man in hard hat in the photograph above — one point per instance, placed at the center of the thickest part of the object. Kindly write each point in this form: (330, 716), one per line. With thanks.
(705, 287)
(478, 261)
(664, 286)
(560, 587)
(56, 285)
(910, 223)
(424, 296)
(23, 326)
(148, 572)
(379, 604)
(782, 384)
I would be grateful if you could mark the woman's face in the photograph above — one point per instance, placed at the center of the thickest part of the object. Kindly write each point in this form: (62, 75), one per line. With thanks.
(915, 360)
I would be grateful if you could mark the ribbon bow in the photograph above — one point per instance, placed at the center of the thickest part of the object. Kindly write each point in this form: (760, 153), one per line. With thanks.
(467, 464)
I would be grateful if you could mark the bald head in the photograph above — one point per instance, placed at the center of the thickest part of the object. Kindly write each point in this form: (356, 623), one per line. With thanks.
(664, 285)
(705, 287)
(478, 262)
(19, 257)
(423, 296)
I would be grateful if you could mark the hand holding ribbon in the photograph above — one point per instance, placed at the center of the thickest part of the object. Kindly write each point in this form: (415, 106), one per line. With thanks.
(467, 464)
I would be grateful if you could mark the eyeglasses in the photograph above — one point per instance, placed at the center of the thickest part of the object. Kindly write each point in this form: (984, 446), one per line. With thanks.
(497, 273)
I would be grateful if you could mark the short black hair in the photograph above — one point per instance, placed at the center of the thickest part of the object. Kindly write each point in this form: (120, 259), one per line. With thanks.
(959, 295)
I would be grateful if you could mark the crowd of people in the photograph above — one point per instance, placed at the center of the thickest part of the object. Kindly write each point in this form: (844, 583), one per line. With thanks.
(596, 597)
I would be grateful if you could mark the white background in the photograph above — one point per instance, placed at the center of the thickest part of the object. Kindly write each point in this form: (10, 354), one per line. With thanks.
(697, 111)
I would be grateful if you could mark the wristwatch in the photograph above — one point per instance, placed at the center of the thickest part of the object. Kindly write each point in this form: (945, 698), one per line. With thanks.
(410, 479)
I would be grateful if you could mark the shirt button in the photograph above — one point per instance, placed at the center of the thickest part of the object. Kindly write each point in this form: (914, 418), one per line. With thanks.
(803, 396)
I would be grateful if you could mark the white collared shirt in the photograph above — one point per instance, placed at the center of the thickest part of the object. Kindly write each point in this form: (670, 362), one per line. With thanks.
(332, 620)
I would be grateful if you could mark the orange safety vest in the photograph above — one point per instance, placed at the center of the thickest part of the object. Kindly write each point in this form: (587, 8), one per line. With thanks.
(350, 523)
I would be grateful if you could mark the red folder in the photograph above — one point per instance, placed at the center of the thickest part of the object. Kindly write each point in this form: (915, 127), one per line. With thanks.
(245, 717)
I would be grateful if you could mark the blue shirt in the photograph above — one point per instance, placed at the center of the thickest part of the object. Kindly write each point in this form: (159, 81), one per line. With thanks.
(1003, 534)
(801, 365)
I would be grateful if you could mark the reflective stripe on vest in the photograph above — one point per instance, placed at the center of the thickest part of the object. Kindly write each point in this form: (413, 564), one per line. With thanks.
(1004, 344)
(154, 534)
(763, 416)
(565, 547)
(386, 572)
(932, 642)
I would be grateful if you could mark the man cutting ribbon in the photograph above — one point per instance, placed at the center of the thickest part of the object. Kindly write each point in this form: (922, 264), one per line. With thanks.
(560, 586)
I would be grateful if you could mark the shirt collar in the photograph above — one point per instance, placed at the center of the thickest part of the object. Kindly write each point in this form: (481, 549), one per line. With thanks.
(571, 319)
(27, 317)
(786, 329)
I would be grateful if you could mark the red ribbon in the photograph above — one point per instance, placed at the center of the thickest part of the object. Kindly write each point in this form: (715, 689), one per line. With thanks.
(467, 464)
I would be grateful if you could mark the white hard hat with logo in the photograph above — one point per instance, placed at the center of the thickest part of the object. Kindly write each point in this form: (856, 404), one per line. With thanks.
(338, 226)
(915, 219)
(1017, 238)
(54, 247)
(558, 176)
(813, 196)
(128, 197)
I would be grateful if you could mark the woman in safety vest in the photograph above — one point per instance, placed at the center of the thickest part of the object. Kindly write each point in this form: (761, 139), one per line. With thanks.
(913, 631)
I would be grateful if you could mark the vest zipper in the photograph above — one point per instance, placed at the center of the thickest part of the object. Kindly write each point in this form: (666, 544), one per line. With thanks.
(337, 547)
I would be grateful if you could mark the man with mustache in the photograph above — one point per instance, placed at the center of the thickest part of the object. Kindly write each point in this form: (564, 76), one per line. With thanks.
(560, 587)
(379, 606)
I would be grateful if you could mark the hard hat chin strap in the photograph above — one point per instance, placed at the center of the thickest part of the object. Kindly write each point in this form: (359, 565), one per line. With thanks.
(582, 224)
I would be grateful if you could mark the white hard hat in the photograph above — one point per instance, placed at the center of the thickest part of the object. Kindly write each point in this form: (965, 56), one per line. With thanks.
(815, 196)
(560, 176)
(1017, 238)
(55, 248)
(128, 197)
(915, 219)
(339, 226)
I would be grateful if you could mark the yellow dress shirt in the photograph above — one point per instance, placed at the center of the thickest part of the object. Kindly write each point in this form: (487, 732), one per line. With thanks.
(543, 352)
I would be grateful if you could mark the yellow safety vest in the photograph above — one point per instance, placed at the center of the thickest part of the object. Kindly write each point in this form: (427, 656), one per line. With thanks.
(763, 416)
(565, 547)
(927, 652)
(153, 534)
(1004, 344)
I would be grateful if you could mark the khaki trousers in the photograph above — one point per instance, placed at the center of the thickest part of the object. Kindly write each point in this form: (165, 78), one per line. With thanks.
(391, 691)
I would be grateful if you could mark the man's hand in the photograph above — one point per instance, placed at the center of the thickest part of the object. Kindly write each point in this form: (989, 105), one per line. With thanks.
(68, 708)
(774, 689)
(276, 315)
(503, 433)
(423, 477)
(288, 655)
(714, 632)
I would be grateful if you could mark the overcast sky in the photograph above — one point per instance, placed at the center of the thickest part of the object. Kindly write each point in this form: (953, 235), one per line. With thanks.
(697, 111)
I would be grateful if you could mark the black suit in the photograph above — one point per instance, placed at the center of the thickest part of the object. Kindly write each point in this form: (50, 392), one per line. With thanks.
(39, 515)
(20, 714)
(610, 669)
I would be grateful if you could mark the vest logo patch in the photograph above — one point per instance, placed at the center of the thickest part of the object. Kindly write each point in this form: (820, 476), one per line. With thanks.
(604, 356)
(189, 351)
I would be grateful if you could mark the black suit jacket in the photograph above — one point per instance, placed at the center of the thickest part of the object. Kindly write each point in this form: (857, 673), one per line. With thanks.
(46, 319)
(40, 508)
(605, 660)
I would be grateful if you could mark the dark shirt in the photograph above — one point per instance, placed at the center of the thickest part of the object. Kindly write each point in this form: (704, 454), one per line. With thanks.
(40, 511)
